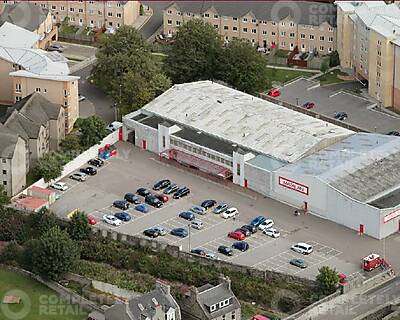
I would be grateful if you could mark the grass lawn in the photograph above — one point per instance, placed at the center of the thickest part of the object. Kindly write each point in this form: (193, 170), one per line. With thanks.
(38, 302)
(331, 78)
(283, 76)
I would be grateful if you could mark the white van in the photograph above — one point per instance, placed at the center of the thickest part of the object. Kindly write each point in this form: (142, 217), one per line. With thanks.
(303, 248)
(197, 224)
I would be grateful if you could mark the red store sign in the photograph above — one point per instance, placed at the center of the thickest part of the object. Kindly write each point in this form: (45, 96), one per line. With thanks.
(290, 184)
(391, 215)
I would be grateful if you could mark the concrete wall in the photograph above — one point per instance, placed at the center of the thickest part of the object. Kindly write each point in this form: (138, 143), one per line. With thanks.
(7, 87)
(17, 173)
(147, 134)
(258, 179)
(390, 221)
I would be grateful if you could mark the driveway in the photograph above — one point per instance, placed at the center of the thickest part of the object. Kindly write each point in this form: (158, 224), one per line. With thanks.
(156, 19)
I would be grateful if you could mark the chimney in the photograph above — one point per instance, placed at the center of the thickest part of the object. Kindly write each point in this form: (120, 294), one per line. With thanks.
(225, 280)
(164, 287)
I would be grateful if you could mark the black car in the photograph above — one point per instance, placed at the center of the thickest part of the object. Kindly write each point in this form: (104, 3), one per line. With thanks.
(183, 191)
(187, 215)
(132, 198)
(245, 231)
(225, 250)
(241, 246)
(143, 192)
(121, 204)
(173, 187)
(153, 201)
(341, 116)
(179, 232)
(162, 184)
(89, 171)
(152, 233)
(249, 227)
(207, 204)
(200, 252)
(96, 162)
(394, 133)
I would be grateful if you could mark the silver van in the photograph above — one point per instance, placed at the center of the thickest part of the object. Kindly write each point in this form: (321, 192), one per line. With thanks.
(197, 224)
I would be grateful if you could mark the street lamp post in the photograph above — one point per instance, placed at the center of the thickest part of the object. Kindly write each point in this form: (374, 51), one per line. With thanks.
(190, 237)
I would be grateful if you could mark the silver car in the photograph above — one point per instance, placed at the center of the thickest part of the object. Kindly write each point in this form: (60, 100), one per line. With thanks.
(161, 230)
(198, 210)
(78, 176)
(220, 208)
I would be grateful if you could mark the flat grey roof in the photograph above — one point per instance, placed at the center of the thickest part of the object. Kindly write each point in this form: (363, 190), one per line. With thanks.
(265, 162)
(389, 201)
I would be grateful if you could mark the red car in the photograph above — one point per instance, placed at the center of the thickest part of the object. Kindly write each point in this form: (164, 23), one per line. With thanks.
(308, 105)
(162, 197)
(91, 220)
(236, 235)
(274, 93)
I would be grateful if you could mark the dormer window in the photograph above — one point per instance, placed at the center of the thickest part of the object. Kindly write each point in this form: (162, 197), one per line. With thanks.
(213, 308)
(224, 303)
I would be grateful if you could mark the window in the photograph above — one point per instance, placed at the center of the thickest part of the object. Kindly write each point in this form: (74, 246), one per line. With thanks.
(321, 48)
(234, 18)
(53, 7)
(80, 10)
(215, 26)
(244, 20)
(99, 13)
(379, 42)
(37, 90)
(163, 142)
(282, 24)
(119, 15)
(91, 23)
(379, 53)
(303, 46)
(62, 8)
(238, 169)
(244, 29)
(254, 30)
(291, 35)
(45, 90)
(65, 105)
(329, 49)
(206, 15)
(291, 24)
(4, 183)
(71, 9)
(273, 23)
(265, 32)
(216, 16)
(233, 316)
(264, 22)
(234, 29)
(273, 33)
(311, 37)
(169, 22)
(18, 99)
(225, 302)
(330, 39)
(283, 43)
(226, 28)
(169, 11)
(109, 14)
(18, 87)
(178, 23)
(322, 38)
(118, 5)
(118, 24)
(4, 160)
(283, 33)
(254, 20)
(302, 36)
(4, 171)
(330, 29)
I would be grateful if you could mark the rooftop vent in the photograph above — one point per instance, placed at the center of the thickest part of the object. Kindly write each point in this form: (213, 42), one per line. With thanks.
(141, 307)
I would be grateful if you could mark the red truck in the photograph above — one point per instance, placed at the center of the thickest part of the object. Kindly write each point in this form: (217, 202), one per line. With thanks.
(373, 261)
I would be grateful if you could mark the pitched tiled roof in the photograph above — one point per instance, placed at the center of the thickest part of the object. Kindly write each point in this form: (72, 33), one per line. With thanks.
(24, 14)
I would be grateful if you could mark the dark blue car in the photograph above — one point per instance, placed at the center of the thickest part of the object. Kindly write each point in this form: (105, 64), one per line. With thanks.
(124, 216)
(187, 215)
(257, 221)
(241, 246)
(179, 232)
(142, 208)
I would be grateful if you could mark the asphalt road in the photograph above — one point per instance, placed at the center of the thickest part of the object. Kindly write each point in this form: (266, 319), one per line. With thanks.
(156, 20)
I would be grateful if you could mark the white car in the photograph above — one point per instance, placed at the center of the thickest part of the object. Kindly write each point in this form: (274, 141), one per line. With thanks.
(272, 232)
(161, 230)
(197, 224)
(212, 256)
(230, 213)
(267, 224)
(110, 219)
(198, 210)
(114, 126)
(62, 186)
(303, 248)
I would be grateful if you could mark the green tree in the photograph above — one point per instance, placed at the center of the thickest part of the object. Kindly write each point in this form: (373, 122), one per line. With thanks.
(124, 57)
(11, 254)
(43, 221)
(4, 198)
(78, 227)
(242, 67)
(54, 254)
(324, 67)
(91, 131)
(50, 166)
(327, 279)
(334, 59)
(193, 55)
(70, 144)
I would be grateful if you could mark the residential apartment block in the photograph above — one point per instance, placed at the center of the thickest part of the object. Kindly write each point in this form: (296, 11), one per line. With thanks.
(368, 35)
(285, 25)
(93, 14)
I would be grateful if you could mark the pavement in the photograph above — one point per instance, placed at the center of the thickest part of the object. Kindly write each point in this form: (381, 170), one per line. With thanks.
(77, 51)
(334, 245)
(156, 20)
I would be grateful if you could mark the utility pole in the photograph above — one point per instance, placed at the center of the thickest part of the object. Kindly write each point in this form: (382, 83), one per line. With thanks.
(190, 237)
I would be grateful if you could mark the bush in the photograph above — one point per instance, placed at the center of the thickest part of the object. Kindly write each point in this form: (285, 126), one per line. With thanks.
(14, 225)
(11, 254)
(328, 280)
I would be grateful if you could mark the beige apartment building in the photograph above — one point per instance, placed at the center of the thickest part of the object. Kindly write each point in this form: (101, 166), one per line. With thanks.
(93, 14)
(307, 25)
(368, 36)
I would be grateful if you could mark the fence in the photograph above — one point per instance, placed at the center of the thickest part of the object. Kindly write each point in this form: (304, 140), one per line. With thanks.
(77, 38)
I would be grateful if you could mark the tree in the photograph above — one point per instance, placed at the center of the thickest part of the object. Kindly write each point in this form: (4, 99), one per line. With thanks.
(324, 67)
(242, 67)
(54, 254)
(71, 144)
(4, 198)
(327, 279)
(124, 57)
(50, 166)
(91, 131)
(78, 227)
(193, 55)
(334, 59)
(43, 221)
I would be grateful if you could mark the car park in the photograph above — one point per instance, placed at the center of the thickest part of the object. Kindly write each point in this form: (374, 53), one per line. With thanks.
(179, 232)
(308, 105)
(268, 223)
(300, 263)
(162, 197)
(62, 186)
(78, 176)
(241, 246)
(198, 251)
(225, 250)
(121, 204)
(96, 162)
(144, 208)
(197, 224)
(123, 216)
(143, 192)
(187, 215)
(152, 233)
(162, 184)
(207, 204)
(182, 192)
(272, 232)
(257, 221)
(245, 231)
(161, 230)
(249, 227)
(91, 220)
(198, 209)
(274, 93)
(236, 235)
(132, 198)
(173, 187)
(302, 248)
(153, 201)
(89, 171)
(341, 116)
(230, 213)
(111, 220)
(221, 207)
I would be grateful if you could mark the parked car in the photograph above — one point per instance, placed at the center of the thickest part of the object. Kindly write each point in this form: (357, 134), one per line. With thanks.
(142, 208)
(300, 263)
(245, 231)
(110, 219)
(236, 235)
(173, 187)
(303, 248)
(308, 105)
(198, 210)
(152, 233)
(241, 246)
(207, 204)
(221, 207)
(198, 251)
(62, 186)
(187, 215)
(212, 256)
(197, 224)
(341, 116)
(183, 191)
(96, 162)
(230, 213)
(394, 133)
(143, 192)
(55, 47)
(114, 126)
(225, 250)
(153, 201)
(81, 97)
(91, 220)
(162, 197)
(257, 221)
(78, 176)
(161, 230)
(274, 93)
(132, 198)
(123, 216)
(268, 223)
(272, 232)
(179, 232)
(162, 184)
(121, 204)
(250, 227)
(89, 171)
